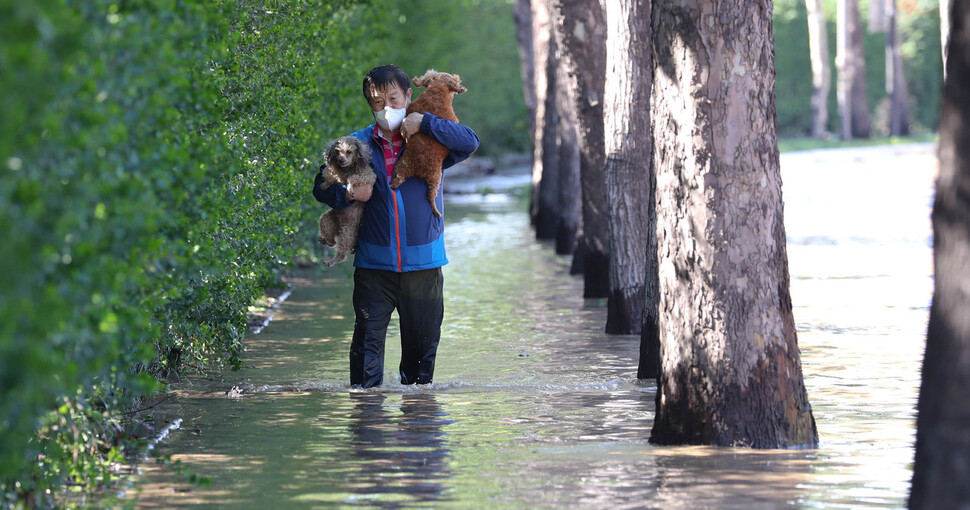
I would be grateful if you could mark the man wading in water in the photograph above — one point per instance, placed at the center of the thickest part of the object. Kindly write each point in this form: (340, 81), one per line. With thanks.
(401, 247)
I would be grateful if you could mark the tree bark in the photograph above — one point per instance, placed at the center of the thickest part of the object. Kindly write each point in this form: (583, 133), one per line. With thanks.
(896, 91)
(942, 465)
(626, 120)
(850, 59)
(821, 70)
(730, 366)
(583, 28)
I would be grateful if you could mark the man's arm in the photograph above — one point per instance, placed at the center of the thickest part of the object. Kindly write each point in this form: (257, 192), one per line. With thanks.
(335, 196)
(460, 140)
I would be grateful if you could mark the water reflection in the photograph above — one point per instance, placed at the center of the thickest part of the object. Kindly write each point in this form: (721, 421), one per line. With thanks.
(726, 474)
(401, 451)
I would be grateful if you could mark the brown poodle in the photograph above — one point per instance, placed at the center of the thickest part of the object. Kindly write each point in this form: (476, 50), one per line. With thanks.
(348, 163)
(424, 155)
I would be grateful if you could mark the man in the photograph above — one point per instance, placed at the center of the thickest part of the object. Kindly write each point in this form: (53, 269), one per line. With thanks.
(401, 247)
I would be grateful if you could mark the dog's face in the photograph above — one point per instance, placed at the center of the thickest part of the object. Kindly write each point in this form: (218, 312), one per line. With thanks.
(451, 82)
(344, 153)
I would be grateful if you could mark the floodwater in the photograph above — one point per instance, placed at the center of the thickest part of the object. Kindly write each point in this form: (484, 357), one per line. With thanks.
(533, 406)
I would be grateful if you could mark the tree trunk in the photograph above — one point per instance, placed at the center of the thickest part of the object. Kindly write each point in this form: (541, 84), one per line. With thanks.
(545, 156)
(896, 91)
(882, 19)
(844, 83)
(583, 27)
(821, 70)
(527, 59)
(879, 16)
(524, 27)
(569, 203)
(861, 122)
(730, 366)
(850, 59)
(942, 465)
(944, 31)
(626, 120)
(546, 183)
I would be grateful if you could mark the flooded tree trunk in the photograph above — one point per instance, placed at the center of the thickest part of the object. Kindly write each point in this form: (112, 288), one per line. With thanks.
(583, 35)
(629, 187)
(545, 147)
(851, 86)
(943, 427)
(545, 179)
(821, 69)
(730, 366)
(569, 204)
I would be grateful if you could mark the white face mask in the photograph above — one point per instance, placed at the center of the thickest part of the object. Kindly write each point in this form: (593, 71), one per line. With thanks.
(389, 118)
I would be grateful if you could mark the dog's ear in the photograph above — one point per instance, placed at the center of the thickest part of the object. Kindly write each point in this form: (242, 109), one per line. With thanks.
(363, 152)
(455, 85)
(425, 79)
(331, 152)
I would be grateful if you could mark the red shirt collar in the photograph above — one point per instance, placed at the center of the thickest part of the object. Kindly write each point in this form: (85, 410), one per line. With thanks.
(396, 139)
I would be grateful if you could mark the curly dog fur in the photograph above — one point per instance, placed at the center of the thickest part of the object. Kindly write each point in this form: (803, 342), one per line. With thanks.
(348, 163)
(424, 155)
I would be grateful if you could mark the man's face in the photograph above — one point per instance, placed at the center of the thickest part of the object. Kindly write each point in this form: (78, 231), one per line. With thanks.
(391, 95)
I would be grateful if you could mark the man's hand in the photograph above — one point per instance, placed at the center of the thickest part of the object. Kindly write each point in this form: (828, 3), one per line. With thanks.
(411, 124)
(360, 193)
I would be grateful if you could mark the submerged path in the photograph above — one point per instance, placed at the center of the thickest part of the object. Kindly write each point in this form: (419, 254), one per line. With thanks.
(533, 405)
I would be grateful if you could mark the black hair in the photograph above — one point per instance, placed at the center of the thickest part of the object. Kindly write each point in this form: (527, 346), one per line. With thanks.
(382, 76)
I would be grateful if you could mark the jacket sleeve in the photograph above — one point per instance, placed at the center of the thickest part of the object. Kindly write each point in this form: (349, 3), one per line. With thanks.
(335, 196)
(458, 138)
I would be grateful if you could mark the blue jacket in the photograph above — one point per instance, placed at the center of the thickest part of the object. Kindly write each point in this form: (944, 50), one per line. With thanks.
(398, 231)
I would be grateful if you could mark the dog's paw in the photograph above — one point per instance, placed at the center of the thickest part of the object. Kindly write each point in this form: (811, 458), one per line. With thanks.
(335, 260)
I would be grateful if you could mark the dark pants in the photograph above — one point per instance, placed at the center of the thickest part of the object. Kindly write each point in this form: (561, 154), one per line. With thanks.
(417, 296)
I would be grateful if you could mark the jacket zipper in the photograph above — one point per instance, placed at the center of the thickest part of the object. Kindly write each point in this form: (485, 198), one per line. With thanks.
(397, 230)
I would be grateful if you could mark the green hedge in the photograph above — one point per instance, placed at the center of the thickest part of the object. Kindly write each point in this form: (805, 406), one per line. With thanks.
(155, 158)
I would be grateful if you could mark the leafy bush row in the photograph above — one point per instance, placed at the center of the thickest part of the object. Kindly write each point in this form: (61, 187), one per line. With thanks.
(155, 157)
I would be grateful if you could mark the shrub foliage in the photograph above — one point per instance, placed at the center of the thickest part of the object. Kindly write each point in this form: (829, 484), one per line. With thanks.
(155, 158)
